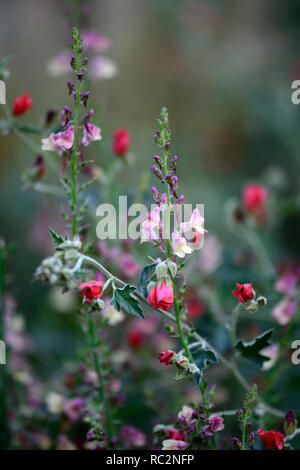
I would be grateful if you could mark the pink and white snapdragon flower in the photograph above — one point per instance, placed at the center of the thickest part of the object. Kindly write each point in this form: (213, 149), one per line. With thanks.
(90, 134)
(60, 142)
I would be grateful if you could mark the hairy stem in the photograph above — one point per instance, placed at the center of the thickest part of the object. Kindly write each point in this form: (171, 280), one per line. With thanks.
(74, 166)
(101, 381)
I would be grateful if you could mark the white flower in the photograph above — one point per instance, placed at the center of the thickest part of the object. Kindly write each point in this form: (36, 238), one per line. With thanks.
(54, 402)
(179, 245)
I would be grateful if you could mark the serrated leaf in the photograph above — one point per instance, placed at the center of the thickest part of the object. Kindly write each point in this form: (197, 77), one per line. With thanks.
(145, 278)
(57, 239)
(252, 349)
(122, 298)
(203, 358)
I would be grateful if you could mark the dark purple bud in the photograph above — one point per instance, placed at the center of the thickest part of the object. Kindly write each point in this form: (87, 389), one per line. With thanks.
(73, 62)
(290, 423)
(167, 145)
(85, 98)
(50, 116)
(236, 442)
(70, 86)
(39, 160)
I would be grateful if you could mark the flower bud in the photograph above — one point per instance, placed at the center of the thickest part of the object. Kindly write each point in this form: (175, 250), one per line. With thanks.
(290, 423)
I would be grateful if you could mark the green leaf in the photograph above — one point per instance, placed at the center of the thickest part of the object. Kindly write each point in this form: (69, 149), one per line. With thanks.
(57, 239)
(203, 358)
(146, 275)
(29, 129)
(122, 299)
(252, 349)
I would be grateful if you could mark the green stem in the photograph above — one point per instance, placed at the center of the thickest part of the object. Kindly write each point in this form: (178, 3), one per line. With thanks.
(101, 381)
(244, 434)
(233, 330)
(74, 166)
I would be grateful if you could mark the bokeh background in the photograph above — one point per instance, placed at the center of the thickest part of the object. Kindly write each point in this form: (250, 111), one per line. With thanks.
(223, 69)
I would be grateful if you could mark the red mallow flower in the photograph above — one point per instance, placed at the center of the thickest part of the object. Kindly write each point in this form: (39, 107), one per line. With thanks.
(91, 290)
(166, 356)
(243, 292)
(135, 338)
(121, 141)
(254, 197)
(161, 297)
(21, 104)
(271, 439)
(175, 434)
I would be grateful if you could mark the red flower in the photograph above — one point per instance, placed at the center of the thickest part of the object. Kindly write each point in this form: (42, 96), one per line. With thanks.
(175, 434)
(135, 338)
(121, 141)
(166, 356)
(271, 439)
(244, 292)
(161, 297)
(254, 197)
(91, 290)
(21, 104)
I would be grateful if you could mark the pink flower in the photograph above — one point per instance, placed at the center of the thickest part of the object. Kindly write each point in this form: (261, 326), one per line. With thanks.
(166, 357)
(195, 223)
(132, 437)
(50, 145)
(65, 139)
(287, 284)
(91, 133)
(91, 290)
(102, 68)
(150, 227)
(284, 311)
(244, 292)
(94, 41)
(172, 444)
(161, 296)
(254, 197)
(186, 415)
(216, 423)
(21, 104)
(121, 141)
